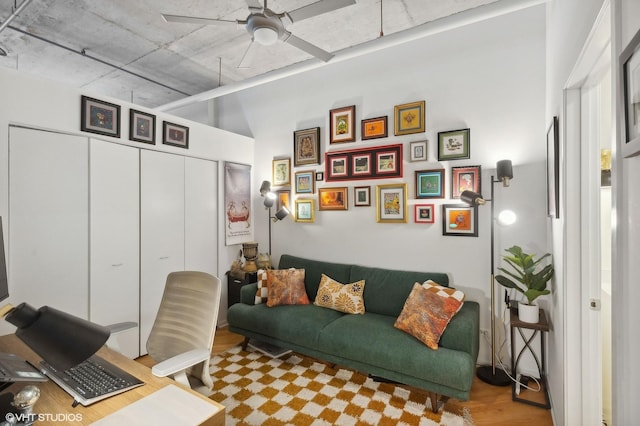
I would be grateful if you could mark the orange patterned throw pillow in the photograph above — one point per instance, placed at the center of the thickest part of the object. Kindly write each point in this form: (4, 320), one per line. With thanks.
(286, 287)
(345, 298)
(428, 310)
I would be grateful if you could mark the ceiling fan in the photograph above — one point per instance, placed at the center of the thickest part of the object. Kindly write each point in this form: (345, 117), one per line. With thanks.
(267, 27)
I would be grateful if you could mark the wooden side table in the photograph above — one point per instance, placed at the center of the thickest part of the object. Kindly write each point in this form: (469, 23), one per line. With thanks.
(542, 327)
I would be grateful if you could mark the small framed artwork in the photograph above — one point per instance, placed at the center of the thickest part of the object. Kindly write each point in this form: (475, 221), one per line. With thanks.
(418, 151)
(175, 135)
(460, 220)
(430, 183)
(362, 196)
(99, 117)
(319, 176)
(305, 182)
(465, 179)
(142, 127)
(281, 171)
(342, 122)
(453, 145)
(553, 170)
(333, 198)
(337, 166)
(424, 213)
(409, 118)
(374, 128)
(630, 68)
(361, 164)
(305, 210)
(391, 203)
(284, 199)
(387, 162)
(306, 146)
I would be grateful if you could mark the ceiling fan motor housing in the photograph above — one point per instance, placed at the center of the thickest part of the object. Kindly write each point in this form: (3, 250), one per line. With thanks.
(259, 22)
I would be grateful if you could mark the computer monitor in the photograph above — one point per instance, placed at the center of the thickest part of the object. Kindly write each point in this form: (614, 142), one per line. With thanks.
(4, 284)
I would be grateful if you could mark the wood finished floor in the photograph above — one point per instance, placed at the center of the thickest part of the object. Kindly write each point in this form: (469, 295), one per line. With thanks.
(489, 405)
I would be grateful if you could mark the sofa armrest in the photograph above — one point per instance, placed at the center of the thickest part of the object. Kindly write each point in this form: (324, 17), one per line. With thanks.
(463, 332)
(248, 294)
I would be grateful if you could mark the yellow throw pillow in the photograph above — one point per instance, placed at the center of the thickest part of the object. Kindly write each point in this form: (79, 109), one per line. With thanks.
(427, 312)
(345, 298)
(286, 287)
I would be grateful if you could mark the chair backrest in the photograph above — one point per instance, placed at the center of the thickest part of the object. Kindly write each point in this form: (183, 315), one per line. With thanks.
(187, 315)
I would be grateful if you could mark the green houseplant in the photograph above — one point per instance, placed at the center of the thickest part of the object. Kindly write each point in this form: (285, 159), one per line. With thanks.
(526, 276)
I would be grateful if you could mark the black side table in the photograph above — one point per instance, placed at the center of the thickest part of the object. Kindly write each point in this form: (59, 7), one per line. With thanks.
(542, 327)
(235, 284)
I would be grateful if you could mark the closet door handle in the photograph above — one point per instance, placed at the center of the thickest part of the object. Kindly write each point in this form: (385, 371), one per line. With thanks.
(163, 257)
(117, 264)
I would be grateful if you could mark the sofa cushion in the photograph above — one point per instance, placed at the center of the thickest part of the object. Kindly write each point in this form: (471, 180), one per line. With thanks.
(427, 313)
(314, 270)
(345, 298)
(388, 289)
(286, 287)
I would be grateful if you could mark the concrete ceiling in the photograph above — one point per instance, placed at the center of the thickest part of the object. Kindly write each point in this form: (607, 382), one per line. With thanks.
(125, 50)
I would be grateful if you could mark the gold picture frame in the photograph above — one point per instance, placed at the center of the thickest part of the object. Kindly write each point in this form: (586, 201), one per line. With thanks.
(391, 203)
(305, 210)
(281, 171)
(409, 118)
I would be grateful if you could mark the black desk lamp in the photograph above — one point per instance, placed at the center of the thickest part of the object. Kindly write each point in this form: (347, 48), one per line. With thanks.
(61, 339)
(489, 373)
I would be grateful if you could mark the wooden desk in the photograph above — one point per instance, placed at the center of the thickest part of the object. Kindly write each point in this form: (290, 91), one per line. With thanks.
(53, 400)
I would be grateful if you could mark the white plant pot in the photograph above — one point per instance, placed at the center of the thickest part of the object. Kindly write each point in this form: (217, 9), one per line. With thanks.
(528, 313)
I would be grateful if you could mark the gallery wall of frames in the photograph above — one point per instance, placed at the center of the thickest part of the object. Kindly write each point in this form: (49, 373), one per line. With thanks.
(311, 180)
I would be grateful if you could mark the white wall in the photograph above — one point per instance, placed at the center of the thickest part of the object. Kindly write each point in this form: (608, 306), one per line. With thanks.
(43, 104)
(488, 77)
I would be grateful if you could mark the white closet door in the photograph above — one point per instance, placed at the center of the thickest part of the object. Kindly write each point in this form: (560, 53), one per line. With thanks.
(49, 220)
(162, 230)
(201, 215)
(115, 241)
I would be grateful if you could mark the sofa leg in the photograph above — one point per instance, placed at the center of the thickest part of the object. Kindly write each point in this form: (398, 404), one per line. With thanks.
(433, 397)
(245, 342)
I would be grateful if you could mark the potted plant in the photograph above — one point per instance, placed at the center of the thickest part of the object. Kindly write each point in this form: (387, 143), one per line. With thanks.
(527, 278)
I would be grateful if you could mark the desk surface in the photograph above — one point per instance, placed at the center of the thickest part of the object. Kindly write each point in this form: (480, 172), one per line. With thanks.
(55, 401)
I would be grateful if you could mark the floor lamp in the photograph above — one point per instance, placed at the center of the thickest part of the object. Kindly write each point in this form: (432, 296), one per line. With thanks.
(489, 373)
(269, 199)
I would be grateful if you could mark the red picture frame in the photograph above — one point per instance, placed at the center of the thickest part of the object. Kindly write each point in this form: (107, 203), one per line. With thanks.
(467, 178)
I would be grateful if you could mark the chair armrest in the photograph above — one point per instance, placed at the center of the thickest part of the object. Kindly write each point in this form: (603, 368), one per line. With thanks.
(180, 362)
(121, 326)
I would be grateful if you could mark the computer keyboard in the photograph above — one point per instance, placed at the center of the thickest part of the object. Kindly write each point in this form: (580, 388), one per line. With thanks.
(92, 380)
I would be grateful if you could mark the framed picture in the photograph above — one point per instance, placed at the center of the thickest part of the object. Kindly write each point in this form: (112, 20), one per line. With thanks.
(333, 198)
(284, 199)
(378, 162)
(319, 176)
(630, 68)
(306, 146)
(361, 164)
(281, 171)
(175, 135)
(424, 213)
(142, 127)
(305, 182)
(362, 196)
(460, 220)
(465, 179)
(418, 151)
(553, 170)
(430, 183)
(238, 225)
(99, 117)
(453, 145)
(342, 122)
(391, 203)
(374, 128)
(409, 118)
(305, 210)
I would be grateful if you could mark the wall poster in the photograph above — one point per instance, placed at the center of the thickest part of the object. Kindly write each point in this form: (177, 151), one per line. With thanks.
(237, 203)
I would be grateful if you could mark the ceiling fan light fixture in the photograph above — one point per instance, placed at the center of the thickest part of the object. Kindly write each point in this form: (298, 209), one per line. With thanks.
(265, 36)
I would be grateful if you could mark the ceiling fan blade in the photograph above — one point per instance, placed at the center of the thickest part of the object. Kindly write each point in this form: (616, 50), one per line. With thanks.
(249, 54)
(307, 47)
(254, 4)
(318, 8)
(196, 20)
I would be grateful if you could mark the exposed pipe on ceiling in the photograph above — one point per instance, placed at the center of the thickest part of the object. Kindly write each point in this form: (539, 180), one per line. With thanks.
(14, 14)
(478, 14)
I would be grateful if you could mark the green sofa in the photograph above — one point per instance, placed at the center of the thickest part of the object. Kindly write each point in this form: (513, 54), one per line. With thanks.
(368, 343)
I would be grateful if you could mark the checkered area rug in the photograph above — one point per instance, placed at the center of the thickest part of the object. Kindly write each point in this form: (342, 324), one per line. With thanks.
(296, 390)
